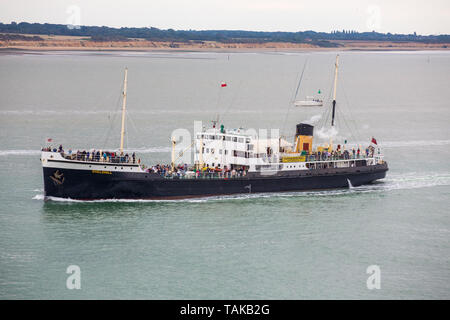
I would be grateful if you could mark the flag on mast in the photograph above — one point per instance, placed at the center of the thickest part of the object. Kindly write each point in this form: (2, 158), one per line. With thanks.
(223, 84)
(374, 141)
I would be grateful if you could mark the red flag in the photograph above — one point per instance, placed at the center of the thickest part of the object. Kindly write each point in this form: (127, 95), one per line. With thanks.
(374, 141)
(223, 84)
(49, 140)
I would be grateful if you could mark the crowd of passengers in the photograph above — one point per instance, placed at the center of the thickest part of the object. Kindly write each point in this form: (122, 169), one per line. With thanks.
(162, 169)
(94, 155)
(182, 169)
(340, 154)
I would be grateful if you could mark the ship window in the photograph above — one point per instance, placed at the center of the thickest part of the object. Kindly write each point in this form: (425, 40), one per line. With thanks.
(212, 150)
(234, 139)
(237, 153)
(226, 151)
(212, 164)
(228, 138)
(207, 150)
(220, 151)
(241, 139)
(250, 147)
(247, 140)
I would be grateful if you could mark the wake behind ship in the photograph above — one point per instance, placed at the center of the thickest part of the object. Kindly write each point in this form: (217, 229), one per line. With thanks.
(226, 161)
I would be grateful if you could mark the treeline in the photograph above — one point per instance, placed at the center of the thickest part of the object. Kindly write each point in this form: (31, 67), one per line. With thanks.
(224, 36)
(11, 37)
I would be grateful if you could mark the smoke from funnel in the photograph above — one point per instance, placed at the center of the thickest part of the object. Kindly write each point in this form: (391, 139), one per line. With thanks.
(326, 134)
(314, 119)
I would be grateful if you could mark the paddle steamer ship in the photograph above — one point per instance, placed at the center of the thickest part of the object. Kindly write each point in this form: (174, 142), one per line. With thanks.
(226, 161)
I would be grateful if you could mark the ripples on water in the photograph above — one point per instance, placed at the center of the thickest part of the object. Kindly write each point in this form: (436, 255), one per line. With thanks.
(310, 244)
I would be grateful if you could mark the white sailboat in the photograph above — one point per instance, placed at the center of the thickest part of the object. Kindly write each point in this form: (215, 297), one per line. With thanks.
(310, 101)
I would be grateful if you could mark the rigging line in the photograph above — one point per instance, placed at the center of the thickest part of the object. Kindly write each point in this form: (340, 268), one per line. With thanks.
(346, 123)
(328, 109)
(326, 114)
(111, 123)
(351, 115)
(219, 98)
(133, 124)
(352, 135)
(294, 96)
(301, 77)
(79, 122)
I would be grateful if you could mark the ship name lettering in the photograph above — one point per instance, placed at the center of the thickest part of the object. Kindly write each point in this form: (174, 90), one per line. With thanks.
(101, 172)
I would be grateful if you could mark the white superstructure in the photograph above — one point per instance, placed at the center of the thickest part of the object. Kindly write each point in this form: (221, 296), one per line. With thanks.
(235, 148)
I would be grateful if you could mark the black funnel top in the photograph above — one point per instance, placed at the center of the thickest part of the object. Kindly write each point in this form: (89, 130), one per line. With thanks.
(304, 129)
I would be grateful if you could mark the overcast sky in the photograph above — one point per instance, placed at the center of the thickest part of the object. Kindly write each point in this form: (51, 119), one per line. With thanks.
(396, 16)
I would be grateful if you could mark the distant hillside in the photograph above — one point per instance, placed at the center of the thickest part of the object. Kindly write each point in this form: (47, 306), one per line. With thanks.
(321, 39)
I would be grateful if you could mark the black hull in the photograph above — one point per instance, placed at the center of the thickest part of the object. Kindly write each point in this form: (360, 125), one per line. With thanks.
(86, 185)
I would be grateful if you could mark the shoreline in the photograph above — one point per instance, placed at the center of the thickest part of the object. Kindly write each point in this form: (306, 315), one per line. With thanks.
(71, 43)
(25, 50)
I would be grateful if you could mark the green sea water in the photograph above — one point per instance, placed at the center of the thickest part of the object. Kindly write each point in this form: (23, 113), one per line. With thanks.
(305, 245)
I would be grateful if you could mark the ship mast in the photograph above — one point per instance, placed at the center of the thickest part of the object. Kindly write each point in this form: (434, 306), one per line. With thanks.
(334, 92)
(124, 104)
(172, 163)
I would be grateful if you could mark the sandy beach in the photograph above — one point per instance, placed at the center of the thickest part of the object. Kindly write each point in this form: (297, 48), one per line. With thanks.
(49, 43)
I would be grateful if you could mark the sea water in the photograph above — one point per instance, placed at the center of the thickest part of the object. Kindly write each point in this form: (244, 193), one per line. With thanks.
(295, 245)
